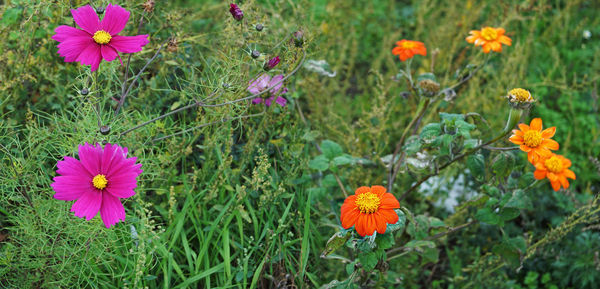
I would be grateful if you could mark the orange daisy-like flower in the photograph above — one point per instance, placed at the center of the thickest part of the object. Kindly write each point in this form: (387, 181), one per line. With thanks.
(406, 49)
(369, 210)
(556, 169)
(533, 140)
(489, 38)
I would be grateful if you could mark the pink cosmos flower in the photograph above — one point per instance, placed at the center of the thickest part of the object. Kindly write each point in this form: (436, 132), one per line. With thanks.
(97, 181)
(264, 82)
(98, 40)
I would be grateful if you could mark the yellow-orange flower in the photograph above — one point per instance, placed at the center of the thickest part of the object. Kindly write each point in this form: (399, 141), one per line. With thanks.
(489, 38)
(556, 169)
(533, 140)
(406, 49)
(369, 210)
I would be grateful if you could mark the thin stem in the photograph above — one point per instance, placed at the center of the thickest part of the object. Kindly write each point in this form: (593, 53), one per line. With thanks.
(434, 237)
(394, 166)
(207, 124)
(124, 95)
(23, 191)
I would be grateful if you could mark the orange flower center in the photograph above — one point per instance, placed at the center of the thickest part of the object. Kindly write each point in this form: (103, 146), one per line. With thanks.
(368, 203)
(554, 164)
(489, 33)
(102, 37)
(409, 44)
(100, 182)
(532, 138)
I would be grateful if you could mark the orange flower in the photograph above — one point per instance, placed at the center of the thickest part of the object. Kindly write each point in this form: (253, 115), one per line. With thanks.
(407, 49)
(535, 142)
(490, 38)
(369, 210)
(556, 169)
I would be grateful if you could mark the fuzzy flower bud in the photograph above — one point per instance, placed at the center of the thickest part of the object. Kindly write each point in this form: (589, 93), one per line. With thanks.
(272, 63)
(236, 12)
(298, 38)
(100, 10)
(255, 54)
(259, 27)
(520, 98)
(148, 6)
(429, 87)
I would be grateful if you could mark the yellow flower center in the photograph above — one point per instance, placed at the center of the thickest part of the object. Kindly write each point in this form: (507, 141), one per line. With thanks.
(489, 33)
(102, 37)
(532, 138)
(554, 164)
(100, 182)
(520, 94)
(409, 44)
(367, 203)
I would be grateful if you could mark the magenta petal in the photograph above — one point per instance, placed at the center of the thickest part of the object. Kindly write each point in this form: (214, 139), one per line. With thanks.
(108, 53)
(69, 188)
(92, 56)
(65, 32)
(115, 19)
(129, 44)
(111, 211)
(269, 101)
(86, 18)
(276, 83)
(71, 48)
(281, 101)
(90, 157)
(71, 167)
(87, 205)
(259, 84)
(257, 100)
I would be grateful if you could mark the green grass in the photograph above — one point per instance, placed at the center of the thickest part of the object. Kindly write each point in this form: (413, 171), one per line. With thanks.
(235, 205)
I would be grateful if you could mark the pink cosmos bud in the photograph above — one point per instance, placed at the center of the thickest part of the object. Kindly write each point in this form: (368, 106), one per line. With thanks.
(272, 63)
(236, 12)
(298, 38)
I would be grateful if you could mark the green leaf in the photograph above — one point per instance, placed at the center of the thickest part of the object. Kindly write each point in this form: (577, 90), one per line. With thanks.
(511, 250)
(477, 202)
(419, 228)
(418, 245)
(430, 255)
(344, 159)
(486, 215)
(350, 267)
(476, 165)
(430, 132)
(435, 222)
(519, 200)
(11, 16)
(391, 228)
(335, 242)
(385, 241)
(426, 75)
(507, 214)
(502, 165)
(320, 163)
(368, 260)
(331, 149)
(471, 143)
(329, 181)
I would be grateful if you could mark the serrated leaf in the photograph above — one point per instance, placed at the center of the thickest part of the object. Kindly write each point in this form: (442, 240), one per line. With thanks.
(430, 132)
(502, 165)
(335, 242)
(476, 165)
(320, 163)
(519, 200)
(384, 241)
(368, 260)
(344, 159)
(486, 215)
(331, 149)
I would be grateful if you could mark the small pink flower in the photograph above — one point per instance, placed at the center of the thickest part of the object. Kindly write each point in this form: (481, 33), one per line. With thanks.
(97, 182)
(98, 40)
(236, 12)
(264, 82)
(272, 63)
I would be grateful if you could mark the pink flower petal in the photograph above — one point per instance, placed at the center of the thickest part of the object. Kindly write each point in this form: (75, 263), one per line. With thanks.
(111, 211)
(108, 53)
(90, 157)
(129, 44)
(257, 100)
(71, 167)
(276, 83)
(92, 56)
(123, 166)
(269, 100)
(69, 188)
(115, 19)
(86, 18)
(71, 48)
(281, 101)
(257, 85)
(87, 205)
(65, 32)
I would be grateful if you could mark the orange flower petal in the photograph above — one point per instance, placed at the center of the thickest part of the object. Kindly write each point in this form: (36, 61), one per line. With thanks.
(500, 31)
(349, 219)
(524, 128)
(389, 216)
(550, 144)
(371, 225)
(552, 177)
(539, 174)
(516, 139)
(569, 174)
(566, 162)
(388, 201)
(549, 132)
(555, 185)
(361, 190)
(361, 225)
(518, 132)
(381, 224)
(505, 40)
(496, 46)
(525, 148)
(536, 124)
(563, 181)
(487, 47)
(379, 190)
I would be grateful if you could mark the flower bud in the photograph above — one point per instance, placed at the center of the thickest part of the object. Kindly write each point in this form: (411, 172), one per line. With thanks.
(429, 87)
(100, 10)
(272, 63)
(520, 98)
(298, 38)
(148, 6)
(84, 91)
(255, 54)
(259, 27)
(105, 129)
(236, 12)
